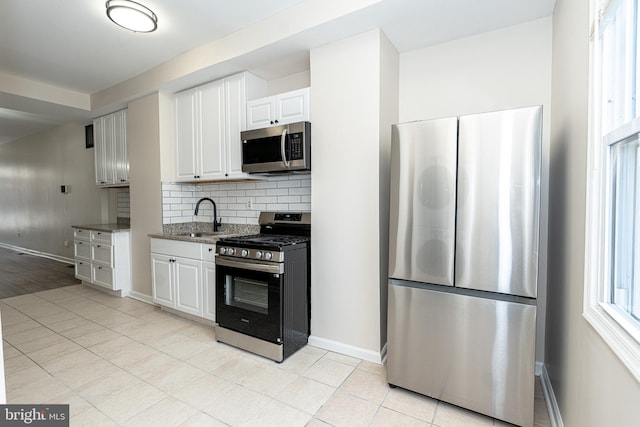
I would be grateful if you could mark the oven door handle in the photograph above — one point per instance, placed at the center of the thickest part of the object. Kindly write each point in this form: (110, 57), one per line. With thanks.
(274, 268)
(283, 152)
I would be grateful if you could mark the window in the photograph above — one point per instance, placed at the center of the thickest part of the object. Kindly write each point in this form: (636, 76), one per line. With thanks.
(612, 268)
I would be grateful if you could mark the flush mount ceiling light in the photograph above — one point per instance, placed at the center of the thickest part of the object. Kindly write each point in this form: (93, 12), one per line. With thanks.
(132, 16)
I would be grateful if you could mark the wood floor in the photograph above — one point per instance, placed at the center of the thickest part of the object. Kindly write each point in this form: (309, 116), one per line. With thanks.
(25, 274)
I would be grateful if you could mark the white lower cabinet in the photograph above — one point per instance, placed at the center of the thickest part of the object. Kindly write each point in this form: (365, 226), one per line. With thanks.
(103, 258)
(210, 291)
(188, 285)
(163, 280)
(83, 270)
(182, 279)
(208, 256)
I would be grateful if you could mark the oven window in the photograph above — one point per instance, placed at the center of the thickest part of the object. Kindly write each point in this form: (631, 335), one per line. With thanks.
(247, 294)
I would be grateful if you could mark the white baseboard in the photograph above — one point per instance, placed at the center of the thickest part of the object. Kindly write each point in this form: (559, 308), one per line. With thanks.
(348, 350)
(102, 289)
(38, 253)
(141, 297)
(550, 399)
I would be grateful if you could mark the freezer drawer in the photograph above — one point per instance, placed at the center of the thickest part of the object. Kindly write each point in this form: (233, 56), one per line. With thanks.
(472, 352)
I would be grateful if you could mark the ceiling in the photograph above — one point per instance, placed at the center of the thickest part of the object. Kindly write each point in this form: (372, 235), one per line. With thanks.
(50, 48)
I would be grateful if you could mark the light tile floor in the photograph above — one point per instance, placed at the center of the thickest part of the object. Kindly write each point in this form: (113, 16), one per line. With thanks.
(118, 361)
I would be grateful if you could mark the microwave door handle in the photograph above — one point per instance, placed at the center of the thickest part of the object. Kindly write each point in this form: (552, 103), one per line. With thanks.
(283, 140)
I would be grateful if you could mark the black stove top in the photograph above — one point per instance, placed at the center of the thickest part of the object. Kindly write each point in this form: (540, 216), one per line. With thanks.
(264, 240)
(278, 230)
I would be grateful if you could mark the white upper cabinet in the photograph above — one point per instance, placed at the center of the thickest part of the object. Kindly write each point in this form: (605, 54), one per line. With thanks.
(208, 121)
(288, 107)
(120, 147)
(110, 148)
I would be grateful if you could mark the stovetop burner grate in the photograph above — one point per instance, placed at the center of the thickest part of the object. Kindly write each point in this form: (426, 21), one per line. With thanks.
(259, 240)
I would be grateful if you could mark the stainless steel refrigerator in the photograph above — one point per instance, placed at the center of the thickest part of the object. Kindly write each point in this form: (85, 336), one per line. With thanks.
(463, 261)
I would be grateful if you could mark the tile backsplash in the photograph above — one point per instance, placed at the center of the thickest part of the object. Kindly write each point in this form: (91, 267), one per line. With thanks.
(123, 205)
(236, 202)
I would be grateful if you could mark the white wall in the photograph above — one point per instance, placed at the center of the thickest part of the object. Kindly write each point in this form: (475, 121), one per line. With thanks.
(291, 82)
(144, 136)
(592, 387)
(345, 199)
(34, 214)
(389, 100)
(502, 69)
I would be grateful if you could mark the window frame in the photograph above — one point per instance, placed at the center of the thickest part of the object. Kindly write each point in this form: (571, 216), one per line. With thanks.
(617, 328)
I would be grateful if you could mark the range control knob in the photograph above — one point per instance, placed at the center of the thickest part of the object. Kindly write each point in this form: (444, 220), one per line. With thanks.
(223, 251)
(231, 251)
(244, 252)
(258, 254)
(268, 256)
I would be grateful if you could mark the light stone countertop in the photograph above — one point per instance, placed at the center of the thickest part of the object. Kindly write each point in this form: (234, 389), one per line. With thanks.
(181, 232)
(211, 238)
(110, 228)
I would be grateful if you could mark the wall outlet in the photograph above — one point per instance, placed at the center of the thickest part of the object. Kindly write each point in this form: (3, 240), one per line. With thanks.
(249, 204)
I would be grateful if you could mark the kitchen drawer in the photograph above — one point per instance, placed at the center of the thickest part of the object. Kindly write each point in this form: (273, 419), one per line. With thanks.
(81, 234)
(83, 270)
(103, 276)
(102, 237)
(82, 249)
(176, 248)
(102, 254)
(208, 252)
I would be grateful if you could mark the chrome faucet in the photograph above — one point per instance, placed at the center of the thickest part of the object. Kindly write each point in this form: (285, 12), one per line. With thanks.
(216, 223)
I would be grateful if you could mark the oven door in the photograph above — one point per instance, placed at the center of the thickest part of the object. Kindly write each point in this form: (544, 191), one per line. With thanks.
(248, 297)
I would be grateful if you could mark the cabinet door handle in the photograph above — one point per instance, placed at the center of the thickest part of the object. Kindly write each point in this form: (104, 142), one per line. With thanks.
(210, 249)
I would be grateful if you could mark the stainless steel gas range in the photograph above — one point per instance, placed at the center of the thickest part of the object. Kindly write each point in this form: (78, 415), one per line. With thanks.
(263, 286)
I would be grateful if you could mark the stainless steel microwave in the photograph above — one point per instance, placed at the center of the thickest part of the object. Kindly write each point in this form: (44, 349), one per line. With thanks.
(281, 148)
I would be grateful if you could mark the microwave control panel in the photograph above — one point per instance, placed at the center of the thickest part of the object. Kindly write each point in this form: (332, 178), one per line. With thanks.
(297, 146)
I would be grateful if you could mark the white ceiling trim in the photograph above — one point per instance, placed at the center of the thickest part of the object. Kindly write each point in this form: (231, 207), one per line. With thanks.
(39, 91)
